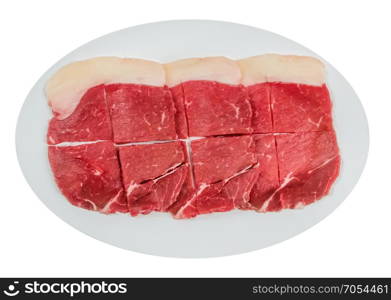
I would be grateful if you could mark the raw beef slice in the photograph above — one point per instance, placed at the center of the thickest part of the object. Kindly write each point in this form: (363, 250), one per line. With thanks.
(90, 121)
(291, 160)
(141, 113)
(89, 176)
(180, 111)
(258, 89)
(259, 95)
(219, 158)
(262, 197)
(299, 99)
(214, 108)
(308, 107)
(214, 101)
(140, 105)
(224, 171)
(308, 165)
(153, 175)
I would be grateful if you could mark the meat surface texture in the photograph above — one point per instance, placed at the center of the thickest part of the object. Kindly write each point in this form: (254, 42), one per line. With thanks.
(214, 102)
(223, 175)
(259, 96)
(308, 164)
(194, 136)
(219, 158)
(89, 122)
(262, 195)
(308, 107)
(153, 175)
(141, 113)
(215, 108)
(89, 176)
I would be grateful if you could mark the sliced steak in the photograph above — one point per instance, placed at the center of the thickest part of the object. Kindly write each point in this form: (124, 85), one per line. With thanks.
(153, 175)
(224, 176)
(309, 164)
(214, 101)
(90, 121)
(89, 176)
(308, 107)
(263, 195)
(141, 113)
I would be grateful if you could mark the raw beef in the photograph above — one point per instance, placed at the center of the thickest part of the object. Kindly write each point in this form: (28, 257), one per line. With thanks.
(308, 164)
(294, 86)
(238, 188)
(233, 192)
(262, 196)
(185, 205)
(258, 90)
(141, 113)
(153, 175)
(141, 106)
(219, 158)
(308, 107)
(89, 176)
(224, 172)
(89, 122)
(259, 95)
(258, 134)
(178, 97)
(214, 101)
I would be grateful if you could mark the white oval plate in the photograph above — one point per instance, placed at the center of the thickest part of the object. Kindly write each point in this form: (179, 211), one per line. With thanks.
(208, 235)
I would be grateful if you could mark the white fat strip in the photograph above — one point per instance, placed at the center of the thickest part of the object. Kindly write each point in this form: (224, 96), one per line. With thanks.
(282, 68)
(287, 180)
(67, 86)
(322, 164)
(163, 117)
(179, 213)
(106, 208)
(66, 144)
(317, 124)
(145, 120)
(237, 110)
(145, 143)
(220, 69)
(299, 205)
(131, 187)
(167, 172)
(51, 139)
(245, 170)
(97, 173)
(94, 207)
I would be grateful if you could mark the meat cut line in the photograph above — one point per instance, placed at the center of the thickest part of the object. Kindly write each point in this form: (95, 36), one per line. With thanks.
(194, 136)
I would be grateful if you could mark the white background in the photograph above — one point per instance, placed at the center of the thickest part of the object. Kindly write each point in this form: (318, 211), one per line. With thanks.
(354, 36)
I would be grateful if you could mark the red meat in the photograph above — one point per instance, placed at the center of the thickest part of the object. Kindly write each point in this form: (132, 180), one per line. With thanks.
(300, 107)
(180, 111)
(224, 169)
(263, 196)
(141, 113)
(89, 122)
(259, 95)
(153, 175)
(308, 164)
(89, 176)
(215, 108)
